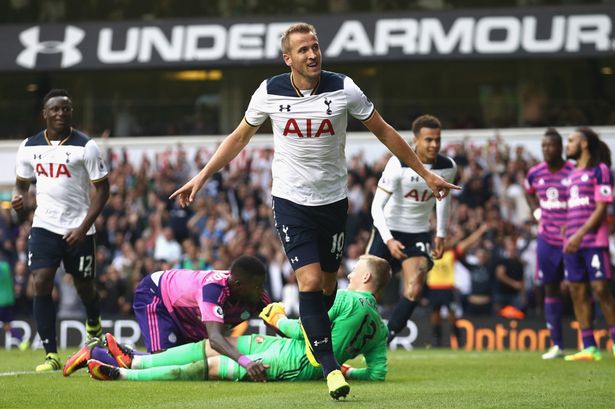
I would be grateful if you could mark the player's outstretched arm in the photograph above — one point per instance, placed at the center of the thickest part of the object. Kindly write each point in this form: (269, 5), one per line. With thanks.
(226, 152)
(400, 148)
(255, 369)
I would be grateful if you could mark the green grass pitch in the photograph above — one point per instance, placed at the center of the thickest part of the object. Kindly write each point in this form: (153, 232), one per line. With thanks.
(422, 378)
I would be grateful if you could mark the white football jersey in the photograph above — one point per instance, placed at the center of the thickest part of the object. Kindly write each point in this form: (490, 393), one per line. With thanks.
(63, 171)
(309, 162)
(412, 201)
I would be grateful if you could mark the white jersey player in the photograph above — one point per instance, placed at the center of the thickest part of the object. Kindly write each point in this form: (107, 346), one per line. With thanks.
(64, 163)
(402, 209)
(308, 108)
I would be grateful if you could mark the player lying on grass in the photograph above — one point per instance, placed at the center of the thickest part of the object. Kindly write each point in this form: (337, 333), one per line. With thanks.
(176, 307)
(357, 328)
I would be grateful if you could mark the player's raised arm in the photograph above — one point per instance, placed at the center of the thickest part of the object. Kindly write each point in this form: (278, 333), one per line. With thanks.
(400, 148)
(226, 152)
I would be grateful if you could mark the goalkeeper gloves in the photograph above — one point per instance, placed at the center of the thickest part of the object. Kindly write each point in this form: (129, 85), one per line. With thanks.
(272, 313)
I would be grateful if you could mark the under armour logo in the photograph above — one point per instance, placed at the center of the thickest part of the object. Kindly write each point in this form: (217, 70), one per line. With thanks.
(294, 259)
(286, 236)
(324, 341)
(328, 103)
(414, 178)
(68, 47)
(287, 108)
(39, 156)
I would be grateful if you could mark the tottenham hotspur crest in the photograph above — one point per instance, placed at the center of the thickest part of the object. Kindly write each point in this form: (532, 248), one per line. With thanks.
(328, 104)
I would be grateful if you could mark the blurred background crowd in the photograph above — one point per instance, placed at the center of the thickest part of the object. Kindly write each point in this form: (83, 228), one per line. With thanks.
(141, 231)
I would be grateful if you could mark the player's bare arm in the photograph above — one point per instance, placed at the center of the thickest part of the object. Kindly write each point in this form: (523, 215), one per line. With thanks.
(99, 199)
(218, 342)
(438, 248)
(400, 148)
(574, 242)
(18, 201)
(226, 152)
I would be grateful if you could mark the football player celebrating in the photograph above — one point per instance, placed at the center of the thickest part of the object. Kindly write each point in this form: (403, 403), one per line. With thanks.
(401, 210)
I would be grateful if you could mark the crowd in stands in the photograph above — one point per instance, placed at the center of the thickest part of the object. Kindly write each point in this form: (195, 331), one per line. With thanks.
(141, 231)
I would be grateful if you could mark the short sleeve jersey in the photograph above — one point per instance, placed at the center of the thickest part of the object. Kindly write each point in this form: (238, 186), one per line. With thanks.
(195, 297)
(412, 201)
(551, 189)
(586, 187)
(63, 171)
(309, 131)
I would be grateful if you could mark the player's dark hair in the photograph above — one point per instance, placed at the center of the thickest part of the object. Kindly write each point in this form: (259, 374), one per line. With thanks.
(248, 267)
(599, 151)
(56, 92)
(425, 121)
(294, 28)
(553, 134)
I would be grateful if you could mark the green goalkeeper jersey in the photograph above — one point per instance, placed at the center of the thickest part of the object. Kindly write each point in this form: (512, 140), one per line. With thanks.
(356, 328)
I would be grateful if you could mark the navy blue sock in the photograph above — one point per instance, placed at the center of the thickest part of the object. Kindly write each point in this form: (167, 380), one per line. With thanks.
(45, 317)
(92, 309)
(330, 299)
(401, 314)
(317, 325)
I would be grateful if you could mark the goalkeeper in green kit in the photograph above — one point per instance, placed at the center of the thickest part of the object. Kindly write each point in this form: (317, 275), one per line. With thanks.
(356, 328)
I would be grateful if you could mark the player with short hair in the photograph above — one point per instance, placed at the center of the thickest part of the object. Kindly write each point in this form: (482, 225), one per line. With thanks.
(64, 163)
(401, 210)
(586, 246)
(308, 108)
(357, 329)
(546, 189)
(176, 307)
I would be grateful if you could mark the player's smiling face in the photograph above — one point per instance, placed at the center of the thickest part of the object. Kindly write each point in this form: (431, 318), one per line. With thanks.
(304, 59)
(427, 144)
(58, 112)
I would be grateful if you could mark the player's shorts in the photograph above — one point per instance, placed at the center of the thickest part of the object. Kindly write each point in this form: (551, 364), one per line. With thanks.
(589, 264)
(47, 249)
(6, 313)
(285, 357)
(549, 262)
(417, 245)
(439, 298)
(158, 328)
(311, 234)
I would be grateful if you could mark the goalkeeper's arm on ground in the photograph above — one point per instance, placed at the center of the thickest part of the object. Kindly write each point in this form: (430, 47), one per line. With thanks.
(376, 361)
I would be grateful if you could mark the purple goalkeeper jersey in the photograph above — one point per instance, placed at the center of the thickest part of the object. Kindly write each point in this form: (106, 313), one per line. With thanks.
(551, 190)
(195, 297)
(587, 187)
